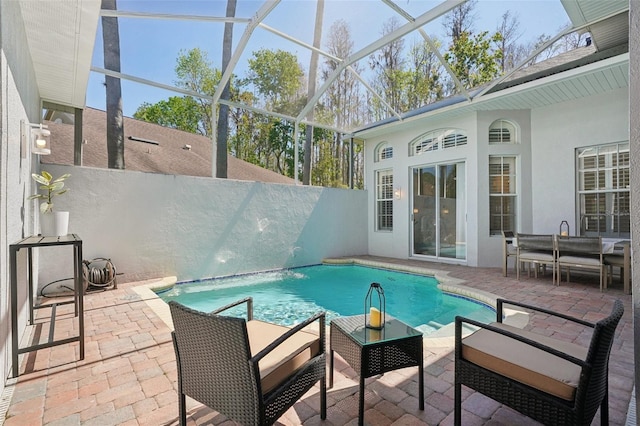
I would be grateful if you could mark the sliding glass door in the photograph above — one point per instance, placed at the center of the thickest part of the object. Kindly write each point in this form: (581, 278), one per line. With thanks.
(439, 211)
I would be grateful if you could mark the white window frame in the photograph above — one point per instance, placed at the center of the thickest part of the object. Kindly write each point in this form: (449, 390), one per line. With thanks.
(384, 200)
(437, 140)
(383, 151)
(603, 190)
(503, 127)
(503, 192)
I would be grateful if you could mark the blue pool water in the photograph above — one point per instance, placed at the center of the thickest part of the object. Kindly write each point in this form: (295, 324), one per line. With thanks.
(289, 296)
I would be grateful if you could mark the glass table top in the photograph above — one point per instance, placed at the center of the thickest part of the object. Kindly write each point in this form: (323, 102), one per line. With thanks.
(393, 329)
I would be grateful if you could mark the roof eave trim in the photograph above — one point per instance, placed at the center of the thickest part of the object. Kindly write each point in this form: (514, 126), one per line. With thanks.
(531, 85)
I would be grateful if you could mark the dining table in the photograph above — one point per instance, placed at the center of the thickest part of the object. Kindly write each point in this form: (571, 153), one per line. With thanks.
(618, 253)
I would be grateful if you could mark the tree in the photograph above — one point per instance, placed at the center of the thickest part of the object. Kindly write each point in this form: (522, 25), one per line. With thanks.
(311, 90)
(460, 20)
(424, 84)
(473, 59)
(275, 75)
(281, 146)
(190, 113)
(342, 105)
(115, 123)
(388, 65)
(512, 52)
(196, 73)
(223, 113)
(177, 112)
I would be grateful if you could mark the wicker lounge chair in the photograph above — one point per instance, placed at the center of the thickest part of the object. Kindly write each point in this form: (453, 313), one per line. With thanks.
(250, 371)
(551, 381)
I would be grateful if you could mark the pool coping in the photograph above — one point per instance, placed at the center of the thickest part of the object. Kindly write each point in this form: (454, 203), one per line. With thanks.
(443, 337)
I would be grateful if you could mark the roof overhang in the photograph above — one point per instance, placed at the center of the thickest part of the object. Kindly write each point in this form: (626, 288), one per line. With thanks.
(607, 21)
(598, 77)
(60, 36)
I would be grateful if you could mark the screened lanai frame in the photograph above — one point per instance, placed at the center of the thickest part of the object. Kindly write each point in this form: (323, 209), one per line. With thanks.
(414, 24)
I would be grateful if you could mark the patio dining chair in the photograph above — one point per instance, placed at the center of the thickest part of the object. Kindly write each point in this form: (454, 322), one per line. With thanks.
(552, 381)
(250, 371)
(580, 252)
(536, 249)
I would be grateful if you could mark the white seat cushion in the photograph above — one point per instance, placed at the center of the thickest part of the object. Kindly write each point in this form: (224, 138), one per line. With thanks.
(539, 256)
(286, 358)
(526, 364)
(578, 261)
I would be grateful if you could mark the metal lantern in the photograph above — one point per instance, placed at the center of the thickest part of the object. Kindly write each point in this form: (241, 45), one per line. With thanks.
(564, 228)
(374, 307)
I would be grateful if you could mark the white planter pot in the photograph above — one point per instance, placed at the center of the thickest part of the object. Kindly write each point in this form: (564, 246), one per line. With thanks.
(54, 224)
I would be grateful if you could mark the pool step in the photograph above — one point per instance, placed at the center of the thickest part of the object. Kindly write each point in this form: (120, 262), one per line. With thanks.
(429, 327)
(435, 324)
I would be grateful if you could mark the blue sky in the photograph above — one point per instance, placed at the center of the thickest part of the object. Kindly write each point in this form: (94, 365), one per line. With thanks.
(149, 47)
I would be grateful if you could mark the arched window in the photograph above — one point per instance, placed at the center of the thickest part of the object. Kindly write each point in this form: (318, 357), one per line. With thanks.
(502, 131)
(383, 152)
(436, 140)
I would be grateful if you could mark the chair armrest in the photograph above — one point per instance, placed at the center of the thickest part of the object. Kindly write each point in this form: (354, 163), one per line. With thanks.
(501, 302)
(319, 316)
(458, 339)
(247, 300)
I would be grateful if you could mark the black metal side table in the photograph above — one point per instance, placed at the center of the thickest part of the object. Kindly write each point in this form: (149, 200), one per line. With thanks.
(370, 352)
(30, 243)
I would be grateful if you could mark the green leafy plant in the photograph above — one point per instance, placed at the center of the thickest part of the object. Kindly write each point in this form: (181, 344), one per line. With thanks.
(51, 188)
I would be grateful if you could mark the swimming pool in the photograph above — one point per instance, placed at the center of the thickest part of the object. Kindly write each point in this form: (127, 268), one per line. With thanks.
(289, 296)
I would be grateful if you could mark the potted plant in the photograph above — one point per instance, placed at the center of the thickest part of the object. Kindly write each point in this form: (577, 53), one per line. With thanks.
(52, 223)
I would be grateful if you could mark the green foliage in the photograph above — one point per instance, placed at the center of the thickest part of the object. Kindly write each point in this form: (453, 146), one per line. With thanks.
(276, 75)
(177, 112)
(196, 73)
(474, 59)
(281, 145)
(424, 80)
(52, 187)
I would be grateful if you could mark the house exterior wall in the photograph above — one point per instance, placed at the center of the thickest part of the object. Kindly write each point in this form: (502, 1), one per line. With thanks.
(19, 100)
(196, 227)
(398, 242)
(557, 131)
(490, 246)
(545, 163)
(634, 147)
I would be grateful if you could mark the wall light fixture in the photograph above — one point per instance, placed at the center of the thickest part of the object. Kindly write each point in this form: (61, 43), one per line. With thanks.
(397, 193)
(38, 136)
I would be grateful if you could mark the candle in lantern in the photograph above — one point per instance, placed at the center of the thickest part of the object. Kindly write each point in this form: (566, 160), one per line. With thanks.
(374, 317)
(41, 143)
(375, 335)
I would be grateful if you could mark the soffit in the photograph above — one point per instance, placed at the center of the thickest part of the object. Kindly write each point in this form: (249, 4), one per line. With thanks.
(60, 36)
(610, 19)
(600, 77)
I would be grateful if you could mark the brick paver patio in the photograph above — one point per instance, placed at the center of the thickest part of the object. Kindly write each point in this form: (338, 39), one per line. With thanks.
(128, 376)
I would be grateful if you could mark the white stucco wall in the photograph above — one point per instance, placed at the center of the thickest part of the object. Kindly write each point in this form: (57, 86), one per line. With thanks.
(398, 243)
(489, 247)
(19, 100)
(556, 132)
(545, 178)
(154, 225)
